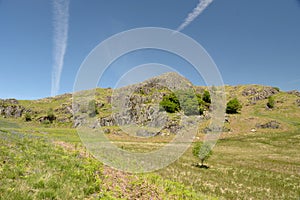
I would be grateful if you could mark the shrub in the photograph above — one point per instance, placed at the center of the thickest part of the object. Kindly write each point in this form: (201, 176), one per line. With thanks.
(190, 102)
(187, 101)
(27, 117)
(170, 103)
(50, 115)
(233, 106)
(206, 97)
(46, 122)
(277, 88)
(271, 102)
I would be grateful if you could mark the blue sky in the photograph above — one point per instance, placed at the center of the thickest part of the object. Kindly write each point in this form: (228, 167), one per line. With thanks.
(252, 42)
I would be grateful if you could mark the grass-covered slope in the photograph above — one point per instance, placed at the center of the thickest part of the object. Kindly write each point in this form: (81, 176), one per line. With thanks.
(252, 160)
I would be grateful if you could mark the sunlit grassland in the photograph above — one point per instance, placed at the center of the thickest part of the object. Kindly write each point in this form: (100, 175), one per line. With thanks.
(51, 163)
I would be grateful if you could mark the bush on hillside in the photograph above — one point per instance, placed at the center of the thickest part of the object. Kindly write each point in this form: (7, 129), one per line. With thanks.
(50, 115)
(206, 97)
(27, 117)
(187, 101)
(271, 102)
(233, 106)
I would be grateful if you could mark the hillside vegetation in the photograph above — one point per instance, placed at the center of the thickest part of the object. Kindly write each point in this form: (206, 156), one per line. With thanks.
(42, 156)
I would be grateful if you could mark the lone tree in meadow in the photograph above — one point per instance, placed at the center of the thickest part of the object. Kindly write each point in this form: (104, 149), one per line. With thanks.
(203, 152)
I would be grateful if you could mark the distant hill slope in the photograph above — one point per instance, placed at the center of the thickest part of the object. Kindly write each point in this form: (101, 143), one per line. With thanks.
(142, 98)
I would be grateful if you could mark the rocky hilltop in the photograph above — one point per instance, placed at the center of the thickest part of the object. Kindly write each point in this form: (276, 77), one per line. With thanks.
(140, 104)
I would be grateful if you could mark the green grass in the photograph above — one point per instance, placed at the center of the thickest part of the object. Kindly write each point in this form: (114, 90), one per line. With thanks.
(6, 123)
(52, 164)
(33, 168)
(258, 166)
(49, 162)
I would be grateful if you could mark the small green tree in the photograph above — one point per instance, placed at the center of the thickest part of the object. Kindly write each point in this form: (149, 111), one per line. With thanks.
(206, 97)
(170, 103)
(189, 102)
(271, 102)
(50, 115)
(202, 151)
(27, 117)
(233, 106)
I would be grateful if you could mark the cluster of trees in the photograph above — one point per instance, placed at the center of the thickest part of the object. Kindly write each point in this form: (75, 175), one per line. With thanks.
(189, 102)
(192, 103)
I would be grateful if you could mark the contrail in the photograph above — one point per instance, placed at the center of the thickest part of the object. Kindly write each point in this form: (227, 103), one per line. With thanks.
(60, 24)
(193, 15)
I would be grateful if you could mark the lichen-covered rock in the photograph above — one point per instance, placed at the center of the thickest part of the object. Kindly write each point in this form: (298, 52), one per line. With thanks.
(11, 110)
(294, 92)
(249, 91)
(264, 94)
(298, 102)
(271, 124)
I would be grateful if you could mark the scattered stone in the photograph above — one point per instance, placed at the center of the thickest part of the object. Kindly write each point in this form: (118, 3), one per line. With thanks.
(271, 124)
(145, 133)
(298, 102)
(107, 121)
(106, 131)
(294, 92)
(227, 119)
(216, 129)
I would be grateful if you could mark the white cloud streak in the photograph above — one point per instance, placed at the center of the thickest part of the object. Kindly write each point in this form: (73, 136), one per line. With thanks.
(202, 5)
(60, 25)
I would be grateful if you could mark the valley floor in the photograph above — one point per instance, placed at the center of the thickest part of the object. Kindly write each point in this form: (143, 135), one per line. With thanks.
(51, 163)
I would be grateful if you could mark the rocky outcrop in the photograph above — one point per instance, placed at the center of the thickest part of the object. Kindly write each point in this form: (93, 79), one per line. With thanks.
(271, 124)
(261, 95)
(8, 101)
(298, 102)
(294, 92)
(10, 108)
(64, 109)
(249, 91)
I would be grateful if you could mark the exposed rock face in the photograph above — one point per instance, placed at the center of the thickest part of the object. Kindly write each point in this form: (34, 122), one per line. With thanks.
(65, 109)
(264, 94)
(294, 92)
(298, 102)
(9, 101)
(138, 105)
(107, 121)
(271, 124)
(249, 91)
(78, 120)
(10, 108)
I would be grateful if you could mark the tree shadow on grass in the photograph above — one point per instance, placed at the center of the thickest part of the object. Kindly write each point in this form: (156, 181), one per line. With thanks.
(200, 166)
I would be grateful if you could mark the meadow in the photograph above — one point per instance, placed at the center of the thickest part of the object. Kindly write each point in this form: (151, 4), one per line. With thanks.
(51, 163)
